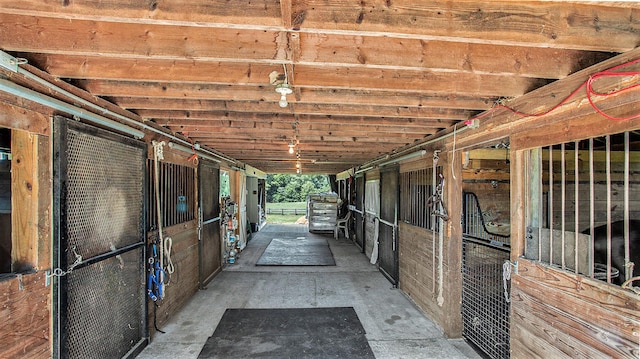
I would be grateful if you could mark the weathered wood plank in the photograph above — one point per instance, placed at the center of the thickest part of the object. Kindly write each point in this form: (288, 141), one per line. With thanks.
(186, 117)
(184, 281)
(599, 293)
(141, 103)
(549, 24)
(22, 119)
(524, 339)
(581, 26)
(116, 88)
(100, 67)
(580, 327)
(24, 200)
(268, 132)
(309, 139)
(180, 70)
(44, 190)
(415, 80)
(261, 13)
(354, 50)
(135, 40)
(25, 309)
(334, 124)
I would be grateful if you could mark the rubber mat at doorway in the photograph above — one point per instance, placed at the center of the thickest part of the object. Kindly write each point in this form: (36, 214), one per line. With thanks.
(307, 333)
(297, 252)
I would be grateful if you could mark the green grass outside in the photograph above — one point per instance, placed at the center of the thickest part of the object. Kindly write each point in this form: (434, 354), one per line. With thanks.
(287, 205)
(287, 218)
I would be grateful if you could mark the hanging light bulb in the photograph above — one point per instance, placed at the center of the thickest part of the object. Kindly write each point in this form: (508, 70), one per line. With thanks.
(291, 146)
(298, 171)
(283, 89)
(298, 164)
(283, 101)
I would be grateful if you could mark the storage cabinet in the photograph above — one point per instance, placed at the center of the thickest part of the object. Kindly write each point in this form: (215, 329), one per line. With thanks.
(322, 212)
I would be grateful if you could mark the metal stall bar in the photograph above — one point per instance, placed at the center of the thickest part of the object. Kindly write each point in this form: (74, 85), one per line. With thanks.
(591, 204)
(563, 199)
(628, 273)
(608, 169)
(576, 183)
(550, 204)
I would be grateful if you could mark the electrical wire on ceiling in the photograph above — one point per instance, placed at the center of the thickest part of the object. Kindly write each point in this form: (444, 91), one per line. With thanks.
(588, 85)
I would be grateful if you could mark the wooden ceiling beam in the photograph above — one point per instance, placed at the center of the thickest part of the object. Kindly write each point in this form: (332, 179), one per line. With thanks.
(415, 80)
(417, 54)
(255, 14)
(536, 24)
(403, 125)
(590, 26)
(261, 135)
(354, 132)
(164, 117)
(136, 104)
(114, 88)
(132, 40)
(280, 146)
(100, 67)
(169, 42)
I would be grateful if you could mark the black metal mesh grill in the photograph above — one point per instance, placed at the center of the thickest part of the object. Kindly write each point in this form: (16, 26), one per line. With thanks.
(485, 310)
(104, 195)
(101, 301)
(105, 312)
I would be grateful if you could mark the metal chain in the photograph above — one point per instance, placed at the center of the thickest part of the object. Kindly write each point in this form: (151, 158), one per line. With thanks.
(58, 272)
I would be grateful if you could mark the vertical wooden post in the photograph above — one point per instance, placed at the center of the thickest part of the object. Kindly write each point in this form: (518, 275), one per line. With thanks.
(30, 201)
(519, 193)
(452, 171)
(24, 201)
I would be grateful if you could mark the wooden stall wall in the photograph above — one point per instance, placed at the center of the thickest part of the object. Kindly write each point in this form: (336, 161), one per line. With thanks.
(25, 329)
(437, 294)
(557, 313)
(183, 283)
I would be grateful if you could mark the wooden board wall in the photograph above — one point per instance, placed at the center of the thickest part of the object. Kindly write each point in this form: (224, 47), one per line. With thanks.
(419, 277)
(183, 283)
(558, 314)
(25, 309)
(25, 297)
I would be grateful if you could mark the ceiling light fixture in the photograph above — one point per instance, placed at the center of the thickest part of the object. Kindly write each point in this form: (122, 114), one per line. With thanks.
(284, 89)
(291, 146)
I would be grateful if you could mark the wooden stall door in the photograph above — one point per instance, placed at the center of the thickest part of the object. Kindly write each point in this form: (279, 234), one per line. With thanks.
(99, 295)
(209, 219)
(387, 238)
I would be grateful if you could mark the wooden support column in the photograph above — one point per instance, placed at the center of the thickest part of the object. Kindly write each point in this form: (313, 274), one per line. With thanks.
(452, 314)
(30, 186)
(518, 195)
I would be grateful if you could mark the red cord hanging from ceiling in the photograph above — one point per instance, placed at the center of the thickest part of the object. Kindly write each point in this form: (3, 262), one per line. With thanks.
(591, 93)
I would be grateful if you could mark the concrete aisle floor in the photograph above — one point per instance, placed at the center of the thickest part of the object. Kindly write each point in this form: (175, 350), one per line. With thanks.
(395, 327)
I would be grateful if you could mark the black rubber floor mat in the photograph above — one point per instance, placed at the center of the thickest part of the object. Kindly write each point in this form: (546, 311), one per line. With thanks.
(297, 252)
(288, 333)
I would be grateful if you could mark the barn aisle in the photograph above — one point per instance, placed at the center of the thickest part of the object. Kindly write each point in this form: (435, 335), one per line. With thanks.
(394, 327)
